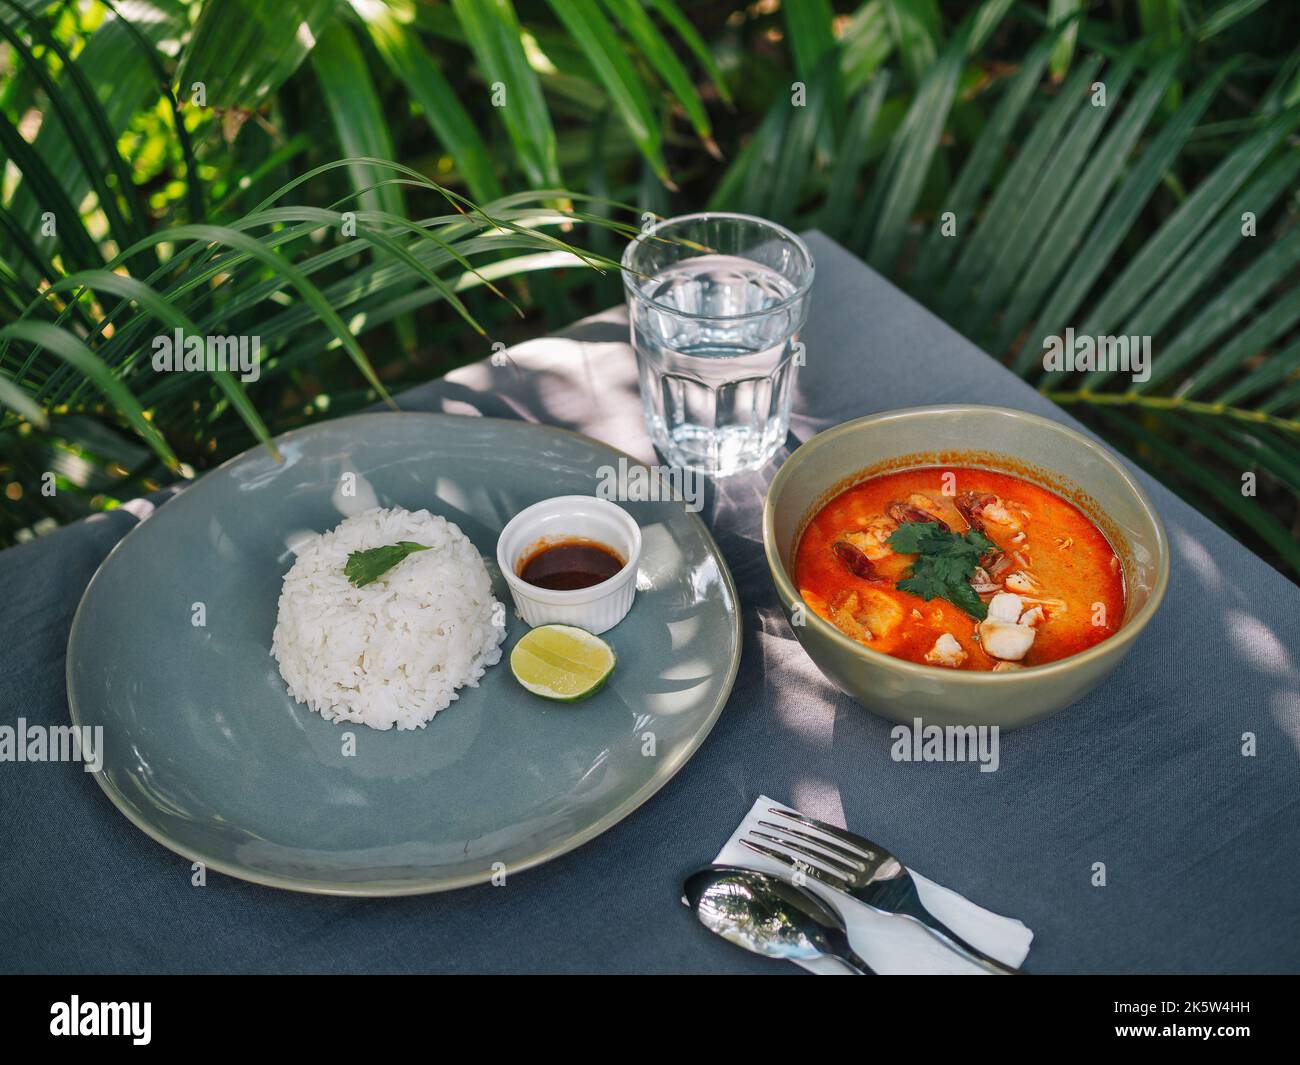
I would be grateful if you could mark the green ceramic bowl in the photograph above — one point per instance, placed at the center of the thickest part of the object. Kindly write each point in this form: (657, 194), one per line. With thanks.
(1035, 448)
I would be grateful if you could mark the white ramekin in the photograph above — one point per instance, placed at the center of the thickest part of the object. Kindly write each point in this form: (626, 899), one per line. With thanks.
(596, 609)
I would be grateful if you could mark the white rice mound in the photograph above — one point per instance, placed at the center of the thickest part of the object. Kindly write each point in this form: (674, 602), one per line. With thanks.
(395, 651)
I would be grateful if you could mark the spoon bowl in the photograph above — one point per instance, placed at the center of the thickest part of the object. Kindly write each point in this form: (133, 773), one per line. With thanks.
(768, 916)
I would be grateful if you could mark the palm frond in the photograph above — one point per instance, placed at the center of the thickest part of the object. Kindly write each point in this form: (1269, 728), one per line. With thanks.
(242, 51)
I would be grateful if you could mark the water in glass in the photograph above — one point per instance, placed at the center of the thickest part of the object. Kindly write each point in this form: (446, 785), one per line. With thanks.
(716, 340)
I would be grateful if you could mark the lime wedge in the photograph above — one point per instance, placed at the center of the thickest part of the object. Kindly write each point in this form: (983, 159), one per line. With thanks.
(562, 662)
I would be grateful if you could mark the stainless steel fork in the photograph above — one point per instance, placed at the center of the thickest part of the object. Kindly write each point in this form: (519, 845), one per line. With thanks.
(860, 868)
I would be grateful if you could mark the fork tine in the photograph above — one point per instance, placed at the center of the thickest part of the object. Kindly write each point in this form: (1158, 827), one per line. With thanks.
(864, 847)
(784, 859)
(837, 865)
(834, 879)
(845, 856)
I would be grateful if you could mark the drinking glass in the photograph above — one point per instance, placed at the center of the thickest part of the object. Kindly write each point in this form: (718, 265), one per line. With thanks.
(716, 302)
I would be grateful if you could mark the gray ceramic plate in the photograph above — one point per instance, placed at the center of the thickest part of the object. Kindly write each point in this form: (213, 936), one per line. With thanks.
(206, 752)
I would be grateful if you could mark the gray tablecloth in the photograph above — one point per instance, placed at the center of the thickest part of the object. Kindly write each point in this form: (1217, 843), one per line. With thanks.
(1201, 844)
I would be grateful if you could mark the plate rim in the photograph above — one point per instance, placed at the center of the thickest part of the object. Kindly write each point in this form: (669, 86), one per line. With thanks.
(390, 889)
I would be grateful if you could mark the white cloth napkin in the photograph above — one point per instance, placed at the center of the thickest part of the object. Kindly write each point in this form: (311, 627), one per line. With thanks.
(892, 945)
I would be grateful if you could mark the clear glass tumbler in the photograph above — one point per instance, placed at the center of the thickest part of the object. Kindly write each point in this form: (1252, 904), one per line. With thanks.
(716, 302)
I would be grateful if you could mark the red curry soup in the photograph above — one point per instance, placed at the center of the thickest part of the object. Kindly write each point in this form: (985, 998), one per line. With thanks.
(961, 568)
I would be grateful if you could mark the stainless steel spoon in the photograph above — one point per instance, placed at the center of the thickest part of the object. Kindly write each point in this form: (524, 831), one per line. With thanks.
(769, 916)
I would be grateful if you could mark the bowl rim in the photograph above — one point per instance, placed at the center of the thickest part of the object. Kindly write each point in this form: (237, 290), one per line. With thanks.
(1115, 645)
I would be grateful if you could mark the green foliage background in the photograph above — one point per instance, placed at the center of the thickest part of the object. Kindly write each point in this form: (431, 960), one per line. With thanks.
(197, 158)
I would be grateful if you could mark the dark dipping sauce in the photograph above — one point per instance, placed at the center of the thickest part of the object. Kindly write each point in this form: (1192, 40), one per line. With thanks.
(565, 565)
